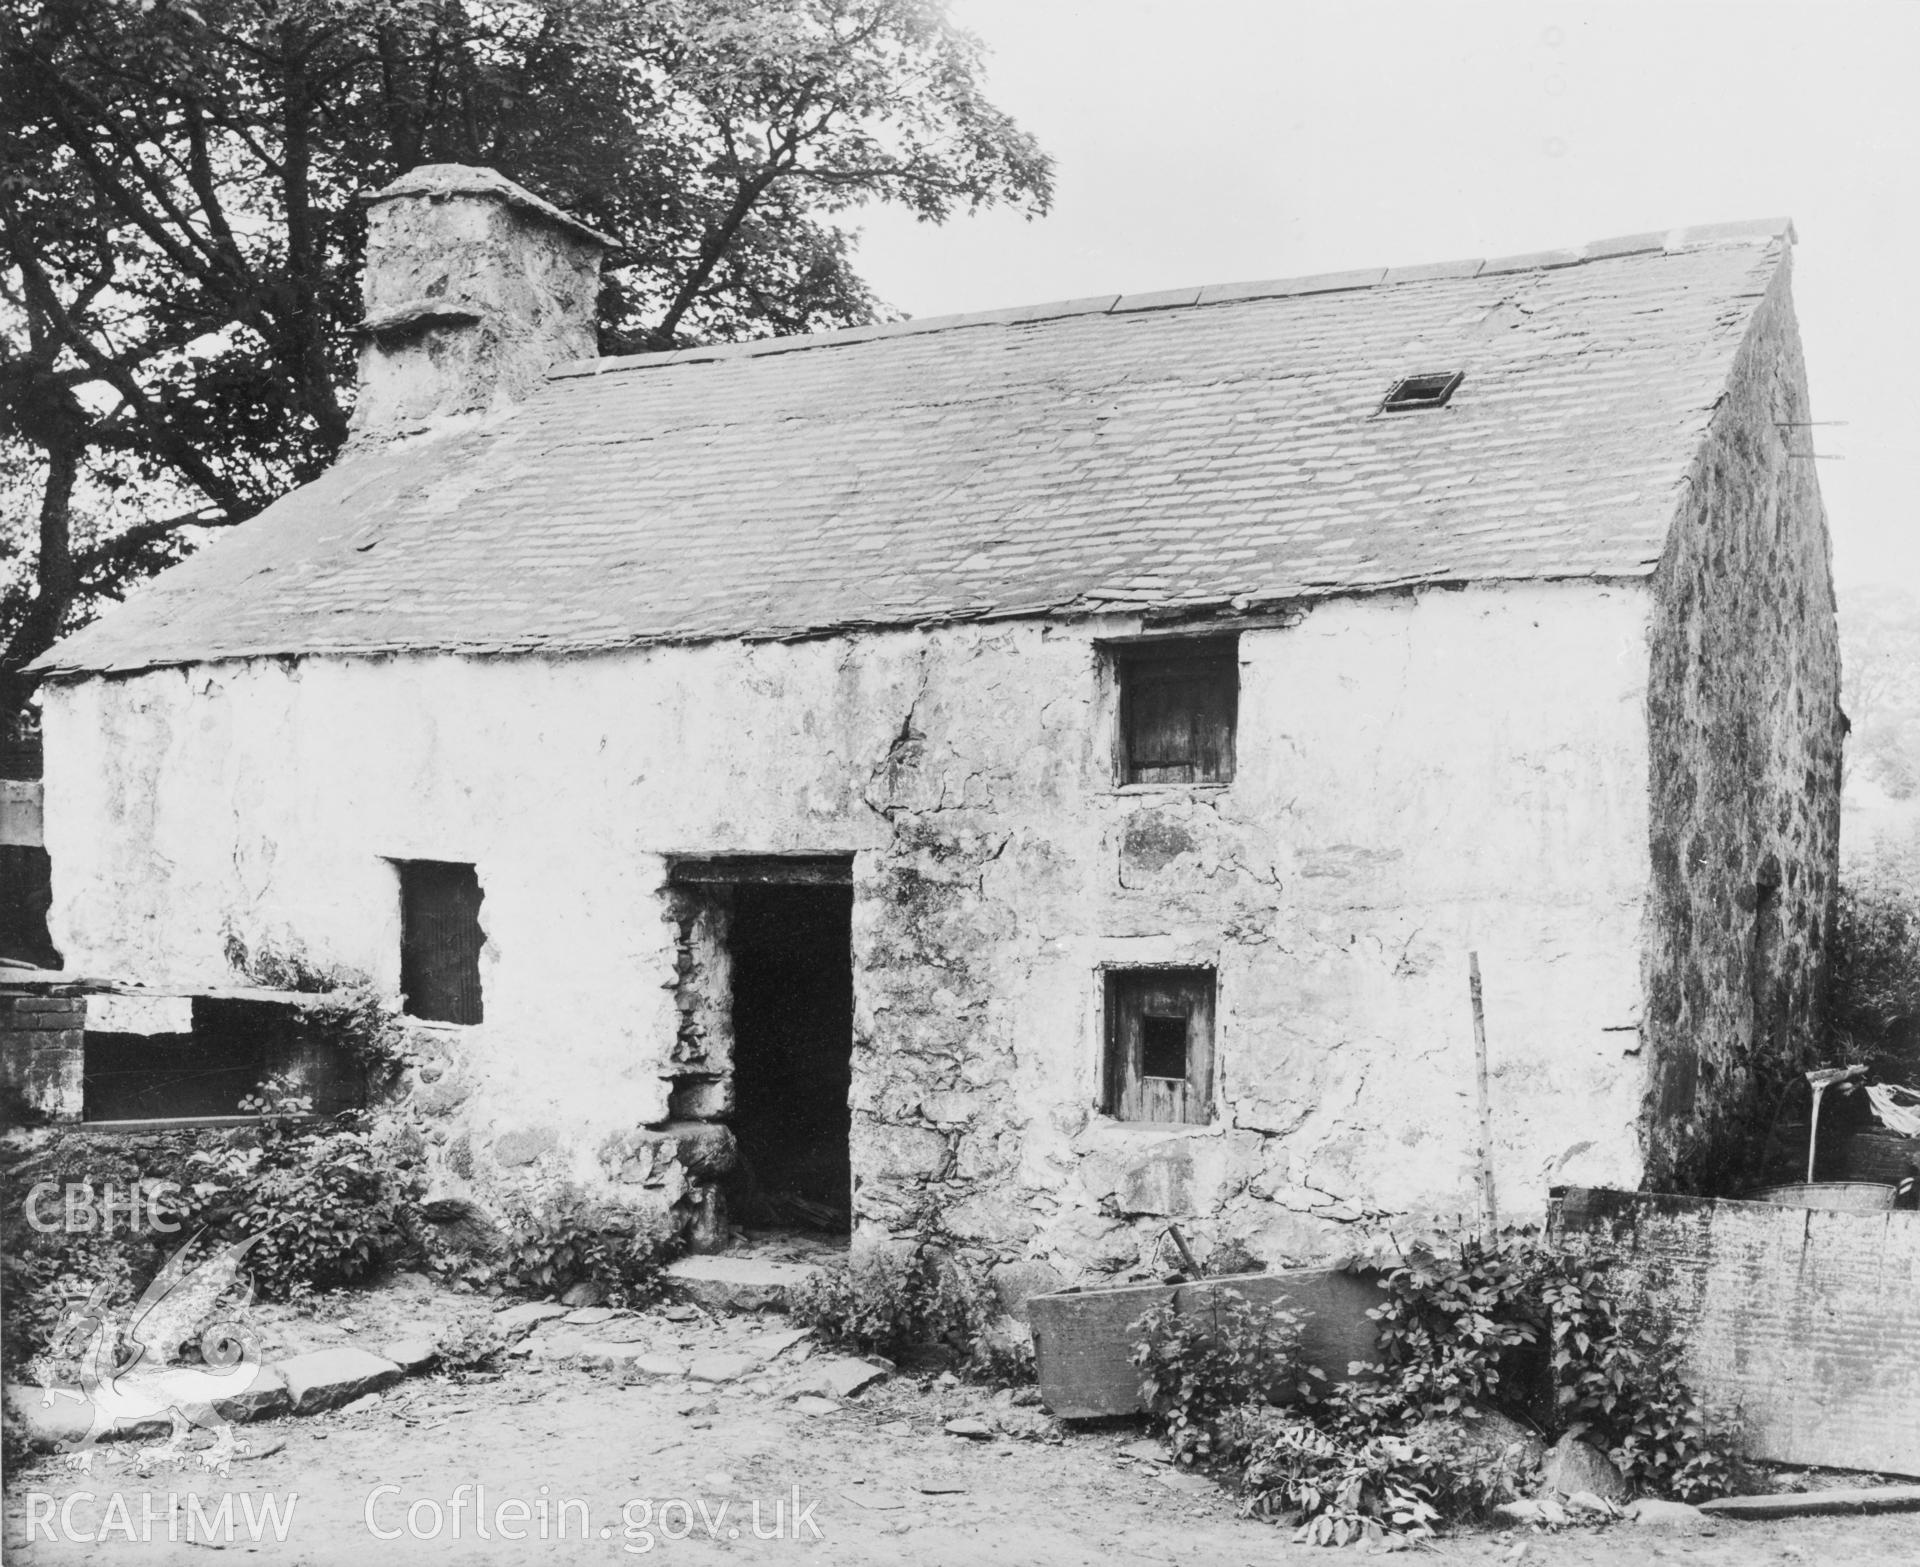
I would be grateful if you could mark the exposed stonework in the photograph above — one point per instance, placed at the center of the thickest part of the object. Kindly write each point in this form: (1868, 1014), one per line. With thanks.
(1745, 731)
(702, 1055)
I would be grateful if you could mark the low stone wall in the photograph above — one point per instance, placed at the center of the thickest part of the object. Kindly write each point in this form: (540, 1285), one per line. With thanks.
(1802, 1324)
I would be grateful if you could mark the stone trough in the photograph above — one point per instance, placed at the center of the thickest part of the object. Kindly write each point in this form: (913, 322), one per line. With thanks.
(1082, 1343)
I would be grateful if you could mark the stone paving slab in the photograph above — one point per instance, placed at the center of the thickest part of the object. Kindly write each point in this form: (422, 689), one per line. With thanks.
(723, 1366)
(68, 1418)
(516, 1319)
(328, 1378)
(410, 1354)
(1809, 1504)
(846, 1376)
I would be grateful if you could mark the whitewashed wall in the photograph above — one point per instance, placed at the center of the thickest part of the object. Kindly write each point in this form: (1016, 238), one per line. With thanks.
(1419, 775)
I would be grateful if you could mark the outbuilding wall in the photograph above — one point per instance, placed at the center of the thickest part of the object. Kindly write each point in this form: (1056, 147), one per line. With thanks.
(1419, 776)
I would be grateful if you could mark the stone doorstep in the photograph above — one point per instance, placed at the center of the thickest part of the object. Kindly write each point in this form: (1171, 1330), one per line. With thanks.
(300, 1385)
(722, 1283)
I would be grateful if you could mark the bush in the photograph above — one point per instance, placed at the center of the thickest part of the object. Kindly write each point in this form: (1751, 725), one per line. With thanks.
(1196, 1365)
(1457, 1325)
(557, 1238)
(1873, 968)
(45, 1273)
(907, 1303)
(328, 1208)
(1513, 1325)
(1619, 1385)
(1340, 1485)
(472, 1344)
(355, 1020)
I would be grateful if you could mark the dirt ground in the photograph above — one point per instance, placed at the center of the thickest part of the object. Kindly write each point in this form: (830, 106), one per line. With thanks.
(672, 1470)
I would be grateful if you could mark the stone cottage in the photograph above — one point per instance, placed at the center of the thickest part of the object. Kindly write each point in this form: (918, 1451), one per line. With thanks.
(1023, 778)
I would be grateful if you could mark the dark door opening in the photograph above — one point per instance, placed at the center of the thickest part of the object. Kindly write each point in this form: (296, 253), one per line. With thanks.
(792, 952)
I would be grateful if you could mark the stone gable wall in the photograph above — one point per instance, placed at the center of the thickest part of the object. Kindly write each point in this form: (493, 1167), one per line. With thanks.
(1745, 734)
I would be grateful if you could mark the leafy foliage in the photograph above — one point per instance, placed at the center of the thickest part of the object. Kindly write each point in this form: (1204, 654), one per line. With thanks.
(910, 1302)
(1343, 1485)
(1457, 1321)
(45, 1273)
(180, 241)
(1873, 965)
(1512, 1324)
(473, 1344)
(1458, 1324)
(354, 1019)
(557, 1238)
(1619, 1384)
(1196, 1365)
(328, 1208)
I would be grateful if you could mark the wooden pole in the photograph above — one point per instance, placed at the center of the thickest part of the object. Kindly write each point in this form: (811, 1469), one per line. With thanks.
(1489, 1212)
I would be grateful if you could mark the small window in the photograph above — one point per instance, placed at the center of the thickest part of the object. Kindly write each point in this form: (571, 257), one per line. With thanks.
(1159, 1050)
(440, 941)
(1179, 703)
(1422, 391)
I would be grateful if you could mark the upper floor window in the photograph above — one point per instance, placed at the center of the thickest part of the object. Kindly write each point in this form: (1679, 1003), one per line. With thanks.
(1179, 702)
(440, 941)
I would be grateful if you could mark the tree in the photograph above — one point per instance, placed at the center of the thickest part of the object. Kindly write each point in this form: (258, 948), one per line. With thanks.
(1880, 660)
(180, 241)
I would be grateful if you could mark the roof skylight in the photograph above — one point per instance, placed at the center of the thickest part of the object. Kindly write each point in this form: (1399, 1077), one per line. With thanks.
(1422, 391)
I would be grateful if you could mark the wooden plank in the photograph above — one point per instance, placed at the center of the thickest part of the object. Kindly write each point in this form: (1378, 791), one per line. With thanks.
(1082, 1340)
(773, 870)
(55, 982)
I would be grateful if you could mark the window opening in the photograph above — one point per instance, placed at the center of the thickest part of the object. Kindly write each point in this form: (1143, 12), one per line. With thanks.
(440, 941)
(1179, 708)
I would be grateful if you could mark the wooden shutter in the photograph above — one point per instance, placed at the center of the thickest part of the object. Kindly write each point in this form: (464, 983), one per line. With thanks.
(1159, 1024)
(1178, 709)
(440, 941)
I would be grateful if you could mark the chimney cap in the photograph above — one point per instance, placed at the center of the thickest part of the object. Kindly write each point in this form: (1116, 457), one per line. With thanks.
(438, 181)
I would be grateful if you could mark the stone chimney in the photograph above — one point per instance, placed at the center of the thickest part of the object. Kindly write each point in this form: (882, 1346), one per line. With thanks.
(474, 289)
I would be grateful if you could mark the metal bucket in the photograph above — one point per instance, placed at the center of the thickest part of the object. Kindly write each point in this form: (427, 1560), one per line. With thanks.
(1850, 1196)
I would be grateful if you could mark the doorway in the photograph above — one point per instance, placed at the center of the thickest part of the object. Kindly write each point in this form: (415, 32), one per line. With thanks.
(764, 989)
(792, 959)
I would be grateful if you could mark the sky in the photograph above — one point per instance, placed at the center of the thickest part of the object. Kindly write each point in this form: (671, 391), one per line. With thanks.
(1211, 141)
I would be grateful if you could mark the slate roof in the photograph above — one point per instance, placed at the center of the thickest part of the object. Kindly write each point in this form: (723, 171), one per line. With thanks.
(1171, 453)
